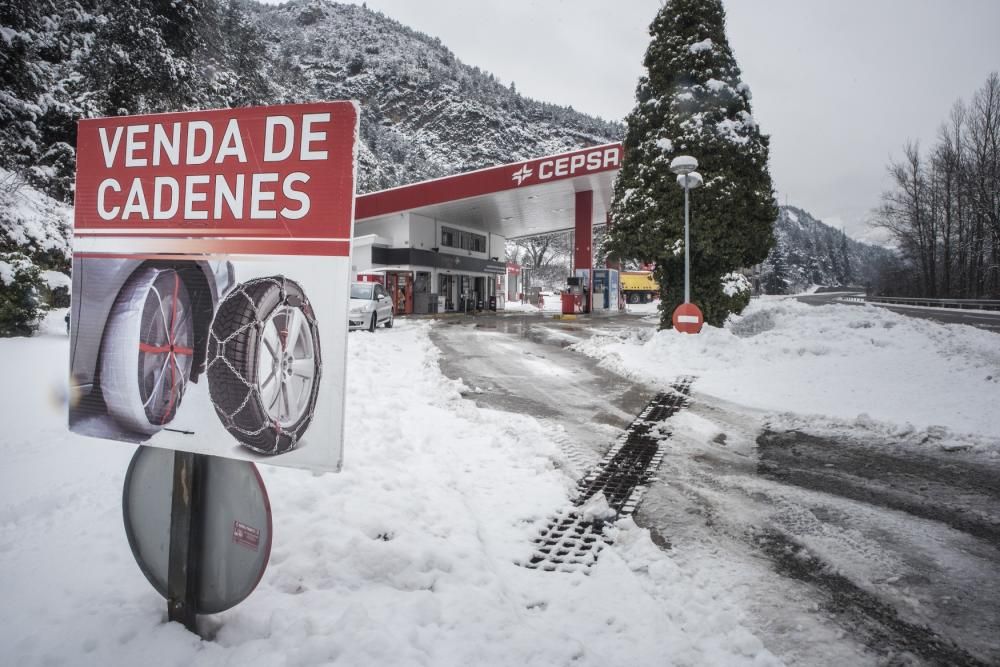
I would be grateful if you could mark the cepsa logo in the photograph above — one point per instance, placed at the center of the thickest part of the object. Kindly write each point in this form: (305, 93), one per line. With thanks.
(257, 167)
(572, 164)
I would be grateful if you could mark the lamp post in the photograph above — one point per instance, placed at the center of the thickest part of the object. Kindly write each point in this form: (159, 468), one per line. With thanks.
(687, 317)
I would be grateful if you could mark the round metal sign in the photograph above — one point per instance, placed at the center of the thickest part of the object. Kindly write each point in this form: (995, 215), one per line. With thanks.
(687, 318)
(236, 530)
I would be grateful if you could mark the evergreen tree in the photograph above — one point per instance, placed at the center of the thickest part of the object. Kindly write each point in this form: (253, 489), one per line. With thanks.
(777, 281)
(20, 310)
(692, 101)
(845, 259)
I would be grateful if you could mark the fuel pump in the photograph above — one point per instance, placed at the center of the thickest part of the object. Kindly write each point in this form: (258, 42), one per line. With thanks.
(573, 297)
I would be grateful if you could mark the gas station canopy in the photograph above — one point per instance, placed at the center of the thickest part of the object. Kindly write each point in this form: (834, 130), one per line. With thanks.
(514, 200)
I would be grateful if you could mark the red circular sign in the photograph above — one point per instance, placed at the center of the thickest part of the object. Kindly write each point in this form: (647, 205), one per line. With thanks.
(687, 318)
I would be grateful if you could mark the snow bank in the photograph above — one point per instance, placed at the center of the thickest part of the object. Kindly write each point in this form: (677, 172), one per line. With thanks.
(842, 362)
(518, 307)
(407, 557)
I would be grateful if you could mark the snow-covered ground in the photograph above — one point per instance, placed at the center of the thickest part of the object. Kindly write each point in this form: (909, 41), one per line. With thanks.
(858, 365)
(407, 557)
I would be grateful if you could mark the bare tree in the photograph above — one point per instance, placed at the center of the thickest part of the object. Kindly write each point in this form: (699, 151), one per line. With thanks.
(943, 210)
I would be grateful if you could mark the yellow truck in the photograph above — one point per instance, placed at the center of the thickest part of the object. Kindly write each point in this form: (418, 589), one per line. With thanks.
(639, 286)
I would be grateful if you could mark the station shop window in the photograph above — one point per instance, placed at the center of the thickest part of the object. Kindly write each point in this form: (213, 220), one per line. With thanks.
(456, 238)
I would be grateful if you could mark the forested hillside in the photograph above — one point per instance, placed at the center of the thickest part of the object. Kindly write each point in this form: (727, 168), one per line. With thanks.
(809, 252)
(424, 113)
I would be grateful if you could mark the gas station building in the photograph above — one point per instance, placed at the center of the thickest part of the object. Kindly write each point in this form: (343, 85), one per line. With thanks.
(439, 245)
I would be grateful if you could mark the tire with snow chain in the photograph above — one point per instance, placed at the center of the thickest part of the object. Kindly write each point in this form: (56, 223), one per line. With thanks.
(147, 350)
(264, 364)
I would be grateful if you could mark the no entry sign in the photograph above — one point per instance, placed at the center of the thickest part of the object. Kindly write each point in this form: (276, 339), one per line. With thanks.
(210, 280)
(687, 318)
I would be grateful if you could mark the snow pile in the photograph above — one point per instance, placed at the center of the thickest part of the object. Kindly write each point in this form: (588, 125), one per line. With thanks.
(10, 269)
(518, 307)
(407, 557)
(703, 45)
(845, 363)
(56, 279)
(735, 283)
(715, 85)
(32, 220)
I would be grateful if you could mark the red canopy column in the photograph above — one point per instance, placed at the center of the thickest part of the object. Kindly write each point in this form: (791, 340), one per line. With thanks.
(582, 251)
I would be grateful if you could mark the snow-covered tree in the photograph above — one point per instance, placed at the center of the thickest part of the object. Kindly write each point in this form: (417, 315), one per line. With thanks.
(776, 281)
(692, 101)
(20, 304)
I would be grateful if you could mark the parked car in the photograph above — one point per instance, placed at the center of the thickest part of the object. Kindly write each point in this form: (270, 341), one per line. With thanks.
(370, 307)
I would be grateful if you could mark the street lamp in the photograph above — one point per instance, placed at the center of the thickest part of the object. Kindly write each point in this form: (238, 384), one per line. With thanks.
(687, 317)
(684, 166)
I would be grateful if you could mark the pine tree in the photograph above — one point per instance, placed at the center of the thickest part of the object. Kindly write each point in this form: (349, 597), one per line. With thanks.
(777, 281)
(692, 102)
(845, 259)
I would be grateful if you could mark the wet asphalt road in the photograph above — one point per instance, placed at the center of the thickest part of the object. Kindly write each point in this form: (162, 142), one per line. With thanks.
(520, 364)
(847, 548)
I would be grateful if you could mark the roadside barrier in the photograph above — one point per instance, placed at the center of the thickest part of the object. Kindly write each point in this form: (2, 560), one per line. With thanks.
(961, 304)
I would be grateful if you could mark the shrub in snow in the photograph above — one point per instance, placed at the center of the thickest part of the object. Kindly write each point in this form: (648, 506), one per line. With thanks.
(20, 305)
(692, 102)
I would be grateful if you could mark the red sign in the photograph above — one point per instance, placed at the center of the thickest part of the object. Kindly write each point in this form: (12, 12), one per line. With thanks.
(687, 318)
(260, 173)
(213, 247)
(495, 179)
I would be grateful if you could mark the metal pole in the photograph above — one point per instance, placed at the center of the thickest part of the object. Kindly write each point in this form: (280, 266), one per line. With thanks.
(687, 245)
(184, 551)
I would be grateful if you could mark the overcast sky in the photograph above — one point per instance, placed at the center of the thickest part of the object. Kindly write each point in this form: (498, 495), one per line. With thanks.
(839, 85)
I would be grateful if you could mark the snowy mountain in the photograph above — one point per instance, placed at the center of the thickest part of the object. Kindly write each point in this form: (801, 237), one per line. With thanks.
(809, 252)
(424, 112)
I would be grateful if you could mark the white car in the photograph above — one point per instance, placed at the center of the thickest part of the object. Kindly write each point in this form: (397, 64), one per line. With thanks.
(370, 307)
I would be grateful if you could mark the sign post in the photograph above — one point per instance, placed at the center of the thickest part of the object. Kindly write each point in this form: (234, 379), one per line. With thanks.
(186, 524)
(687, 314)
(211, 269)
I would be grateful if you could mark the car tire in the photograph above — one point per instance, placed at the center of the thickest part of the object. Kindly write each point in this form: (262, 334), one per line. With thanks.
(374, 322)
(388, 322)
(264, 364)
(147, 350)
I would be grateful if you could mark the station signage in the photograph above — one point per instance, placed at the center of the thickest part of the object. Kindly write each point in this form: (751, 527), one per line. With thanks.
(591, 160)
(575, 164)
(211, 278)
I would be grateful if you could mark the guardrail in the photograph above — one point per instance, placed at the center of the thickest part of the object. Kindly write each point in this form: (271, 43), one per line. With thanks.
(961, 304)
